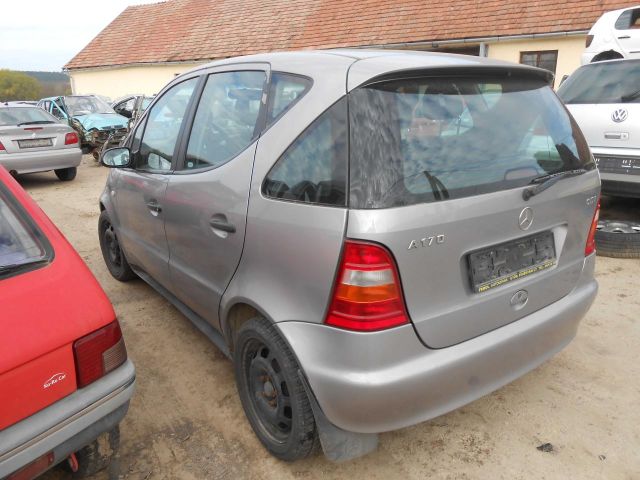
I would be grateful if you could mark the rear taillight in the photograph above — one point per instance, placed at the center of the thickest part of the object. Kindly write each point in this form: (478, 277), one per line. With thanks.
(367, 295)
(71, 138)
(589, 40)
(591, 239)
(99, 353)
(1, 147)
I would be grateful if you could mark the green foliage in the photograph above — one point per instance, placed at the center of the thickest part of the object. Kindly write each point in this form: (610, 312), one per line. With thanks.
(18, 86)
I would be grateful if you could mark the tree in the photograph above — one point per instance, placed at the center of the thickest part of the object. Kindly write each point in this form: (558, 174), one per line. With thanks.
(18, 86)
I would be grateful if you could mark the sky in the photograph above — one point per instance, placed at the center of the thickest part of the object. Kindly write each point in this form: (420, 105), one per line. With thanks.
(46, 34)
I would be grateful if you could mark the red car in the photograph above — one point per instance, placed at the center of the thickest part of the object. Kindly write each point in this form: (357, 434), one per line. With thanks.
(65, 380)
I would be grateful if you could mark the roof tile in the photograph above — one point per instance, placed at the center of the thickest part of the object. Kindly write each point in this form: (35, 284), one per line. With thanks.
(195, 30)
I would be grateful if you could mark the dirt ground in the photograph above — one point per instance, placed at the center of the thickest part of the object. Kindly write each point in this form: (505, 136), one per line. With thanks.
(186, 421)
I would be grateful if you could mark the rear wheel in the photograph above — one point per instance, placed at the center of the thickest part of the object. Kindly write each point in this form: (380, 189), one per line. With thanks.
(618, 239)
(98, 454)
(609, 55)
(66, 174)
(272, 393)
(111, 252)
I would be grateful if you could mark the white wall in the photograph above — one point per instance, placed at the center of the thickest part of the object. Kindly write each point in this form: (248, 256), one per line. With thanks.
(119, 81)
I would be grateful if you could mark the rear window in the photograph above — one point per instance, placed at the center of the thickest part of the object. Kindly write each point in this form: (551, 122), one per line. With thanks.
(606, 82)
(429, 139)
(22, 245)
(17, 115)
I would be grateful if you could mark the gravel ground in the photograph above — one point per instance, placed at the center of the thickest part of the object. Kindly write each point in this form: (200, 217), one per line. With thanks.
(186, 421)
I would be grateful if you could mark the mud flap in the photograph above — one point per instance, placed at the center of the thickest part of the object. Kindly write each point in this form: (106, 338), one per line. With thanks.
(338, 445)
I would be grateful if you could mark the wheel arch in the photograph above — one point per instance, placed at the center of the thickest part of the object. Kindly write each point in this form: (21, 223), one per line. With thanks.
(607, 55)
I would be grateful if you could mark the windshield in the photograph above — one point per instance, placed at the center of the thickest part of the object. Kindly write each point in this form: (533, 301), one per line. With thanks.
(86, 105)
(16, 115)
(606, 82)
(146, 101)
(21, 243)
(428, 139)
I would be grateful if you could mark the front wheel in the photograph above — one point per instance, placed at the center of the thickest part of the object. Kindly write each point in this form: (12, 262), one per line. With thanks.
(111, 252)
(66, 174)
(272, 393)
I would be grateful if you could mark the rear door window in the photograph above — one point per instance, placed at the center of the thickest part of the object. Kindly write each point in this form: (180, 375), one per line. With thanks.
(226, 118)
(22, 245)
(429, 139)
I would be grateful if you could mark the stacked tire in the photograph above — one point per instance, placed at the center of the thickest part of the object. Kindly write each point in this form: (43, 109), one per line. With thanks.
(618, 239)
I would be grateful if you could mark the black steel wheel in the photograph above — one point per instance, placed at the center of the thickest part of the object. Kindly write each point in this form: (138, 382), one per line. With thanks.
(111, 252)
(618, 238)
(66, 174)
(272, 393)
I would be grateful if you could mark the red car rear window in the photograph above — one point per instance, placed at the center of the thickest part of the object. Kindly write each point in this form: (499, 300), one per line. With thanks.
(22, 245)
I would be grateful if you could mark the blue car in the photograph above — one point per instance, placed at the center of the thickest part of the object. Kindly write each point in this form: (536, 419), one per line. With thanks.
(96, 122)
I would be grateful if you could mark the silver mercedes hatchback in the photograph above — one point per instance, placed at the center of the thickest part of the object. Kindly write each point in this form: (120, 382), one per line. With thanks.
(374, 238)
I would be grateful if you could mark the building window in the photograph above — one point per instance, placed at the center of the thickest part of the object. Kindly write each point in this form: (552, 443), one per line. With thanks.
(546, 59)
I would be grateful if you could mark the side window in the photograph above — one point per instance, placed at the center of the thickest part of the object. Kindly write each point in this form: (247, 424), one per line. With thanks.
(56, 111)
(226, 119)
(125, 108)
(285, 91)
(314, 167)
(163, 126)
(628, 19)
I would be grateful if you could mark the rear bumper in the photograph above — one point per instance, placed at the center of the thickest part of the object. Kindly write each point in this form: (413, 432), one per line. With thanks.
(376, 382)
(619, 184)
(70, 423)
(30, 162)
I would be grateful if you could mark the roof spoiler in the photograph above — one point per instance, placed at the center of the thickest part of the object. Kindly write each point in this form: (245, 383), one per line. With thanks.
(502, 71)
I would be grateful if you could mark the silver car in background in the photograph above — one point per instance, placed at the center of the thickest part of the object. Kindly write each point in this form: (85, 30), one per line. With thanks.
(374, 237)
(604, 98)
(32, 140)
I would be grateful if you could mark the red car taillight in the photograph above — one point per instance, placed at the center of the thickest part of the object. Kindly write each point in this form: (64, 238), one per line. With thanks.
(591, 238)
(367, 295)
(99, 353)
(71, 138)
(1, 147)
(589, 40)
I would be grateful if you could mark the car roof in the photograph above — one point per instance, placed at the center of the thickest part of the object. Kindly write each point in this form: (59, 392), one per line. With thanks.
(364, 64)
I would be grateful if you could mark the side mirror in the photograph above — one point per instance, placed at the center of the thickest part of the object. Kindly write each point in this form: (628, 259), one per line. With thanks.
(118, 157)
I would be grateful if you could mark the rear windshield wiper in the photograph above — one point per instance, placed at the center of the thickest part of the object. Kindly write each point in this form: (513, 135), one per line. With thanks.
(36, 122)
(630, 96)
(543, 182)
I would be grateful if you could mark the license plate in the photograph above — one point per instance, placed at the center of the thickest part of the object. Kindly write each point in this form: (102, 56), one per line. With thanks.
(36, 142)
(495, 266)
(626, 165)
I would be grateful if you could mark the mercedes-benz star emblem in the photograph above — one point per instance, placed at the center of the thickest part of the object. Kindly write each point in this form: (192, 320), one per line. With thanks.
(526, 218)
(619, 115)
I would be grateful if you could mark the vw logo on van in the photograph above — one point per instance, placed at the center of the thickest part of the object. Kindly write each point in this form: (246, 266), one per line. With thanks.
(619, 115)
(526, 218)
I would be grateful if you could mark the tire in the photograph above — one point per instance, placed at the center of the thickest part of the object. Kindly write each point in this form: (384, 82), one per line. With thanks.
(111, 252)
(98, 454)
(272, 393)
(66, 174)
(608, 55)
(618, 239)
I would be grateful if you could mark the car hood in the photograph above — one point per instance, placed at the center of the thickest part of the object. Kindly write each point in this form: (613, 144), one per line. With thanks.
(102, 121)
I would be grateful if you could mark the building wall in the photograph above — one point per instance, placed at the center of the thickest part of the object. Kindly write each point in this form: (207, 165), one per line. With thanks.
(569, 51)
(119, 81)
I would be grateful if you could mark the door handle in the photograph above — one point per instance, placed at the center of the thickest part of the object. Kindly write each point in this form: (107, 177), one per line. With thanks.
(624, 37)
(155, 207)
(223, 225)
